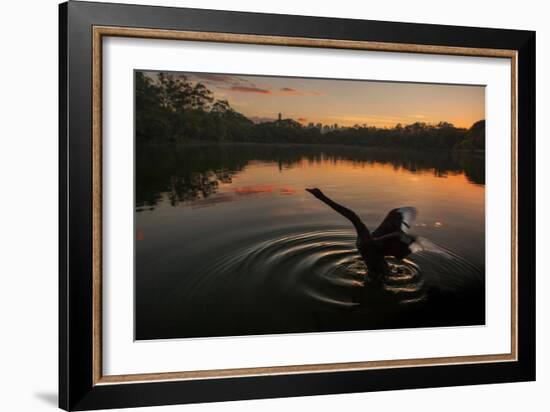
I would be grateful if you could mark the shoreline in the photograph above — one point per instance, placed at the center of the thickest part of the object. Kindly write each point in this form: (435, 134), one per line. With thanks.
(198, 143)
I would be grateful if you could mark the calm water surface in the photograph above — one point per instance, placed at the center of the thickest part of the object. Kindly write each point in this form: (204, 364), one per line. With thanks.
(229, 243)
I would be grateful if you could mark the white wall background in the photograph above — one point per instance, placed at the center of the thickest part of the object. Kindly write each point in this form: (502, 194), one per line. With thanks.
(28, 203)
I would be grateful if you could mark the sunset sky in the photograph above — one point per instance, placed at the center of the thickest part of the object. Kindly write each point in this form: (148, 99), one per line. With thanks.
(346, 102)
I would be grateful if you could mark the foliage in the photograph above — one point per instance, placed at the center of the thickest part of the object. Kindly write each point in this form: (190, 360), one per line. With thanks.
(475, 137)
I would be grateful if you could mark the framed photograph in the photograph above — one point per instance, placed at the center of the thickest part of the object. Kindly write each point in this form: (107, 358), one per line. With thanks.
(257, 205)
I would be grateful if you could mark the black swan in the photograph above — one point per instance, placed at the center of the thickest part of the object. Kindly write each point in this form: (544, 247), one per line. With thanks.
(389, 239)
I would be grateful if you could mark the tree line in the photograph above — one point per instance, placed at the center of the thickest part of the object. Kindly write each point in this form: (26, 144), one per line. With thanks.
(171, 109)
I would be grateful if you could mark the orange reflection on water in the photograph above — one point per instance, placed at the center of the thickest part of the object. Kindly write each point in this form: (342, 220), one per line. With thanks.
(255, 189)
(369, 187)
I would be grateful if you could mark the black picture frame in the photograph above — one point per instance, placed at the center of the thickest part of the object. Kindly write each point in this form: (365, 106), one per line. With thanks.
(77, 390)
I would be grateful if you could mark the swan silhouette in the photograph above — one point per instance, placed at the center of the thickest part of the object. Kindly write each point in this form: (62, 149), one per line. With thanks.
(389, 239)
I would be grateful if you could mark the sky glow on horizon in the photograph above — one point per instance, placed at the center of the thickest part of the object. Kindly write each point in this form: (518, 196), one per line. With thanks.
(345, 102)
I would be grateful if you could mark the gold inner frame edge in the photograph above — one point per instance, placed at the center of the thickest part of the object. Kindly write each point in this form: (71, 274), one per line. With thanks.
(98, 32)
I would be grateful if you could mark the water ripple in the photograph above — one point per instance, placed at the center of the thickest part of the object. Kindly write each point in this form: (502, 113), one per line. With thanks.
(323, 269)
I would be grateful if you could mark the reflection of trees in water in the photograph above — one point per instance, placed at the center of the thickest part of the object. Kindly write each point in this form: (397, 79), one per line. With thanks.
(473, 165)
(184, 173)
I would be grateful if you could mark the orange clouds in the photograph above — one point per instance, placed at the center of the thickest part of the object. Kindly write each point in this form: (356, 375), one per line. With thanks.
(283, 91)
(249, 89)
(289, 91)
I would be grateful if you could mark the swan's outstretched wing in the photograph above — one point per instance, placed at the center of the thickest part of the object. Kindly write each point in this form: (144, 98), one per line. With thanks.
(392, 237)
(397, 244)
(398, 220)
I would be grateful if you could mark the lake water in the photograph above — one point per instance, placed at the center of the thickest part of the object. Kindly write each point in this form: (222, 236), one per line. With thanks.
(229, 243)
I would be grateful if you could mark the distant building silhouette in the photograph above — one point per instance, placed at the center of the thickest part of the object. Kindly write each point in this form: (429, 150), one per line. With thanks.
(280, 117)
